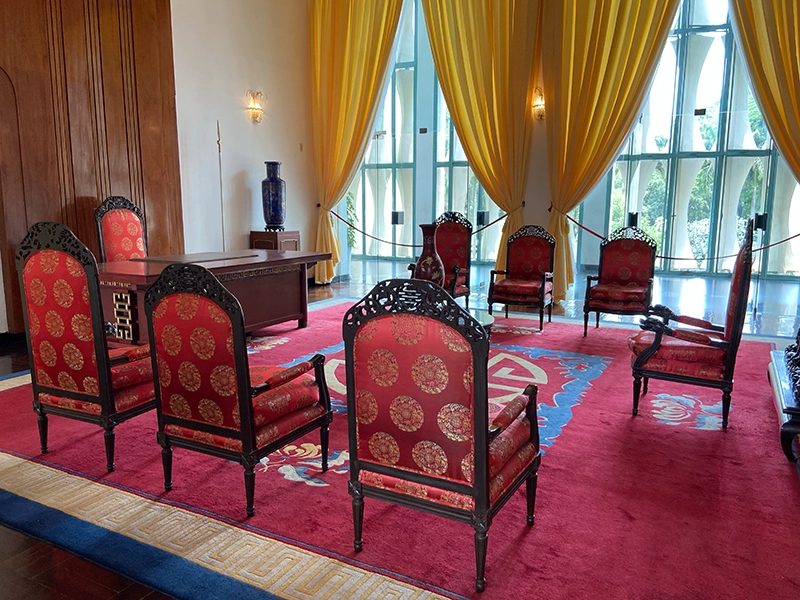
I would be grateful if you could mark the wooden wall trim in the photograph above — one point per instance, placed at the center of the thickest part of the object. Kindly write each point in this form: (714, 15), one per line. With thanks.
(130, 102)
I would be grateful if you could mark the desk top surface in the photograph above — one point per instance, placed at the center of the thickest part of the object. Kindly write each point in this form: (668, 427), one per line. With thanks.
(216, 262)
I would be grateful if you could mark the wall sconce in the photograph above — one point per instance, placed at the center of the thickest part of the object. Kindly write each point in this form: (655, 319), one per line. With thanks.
(255, 105)
(538, 104)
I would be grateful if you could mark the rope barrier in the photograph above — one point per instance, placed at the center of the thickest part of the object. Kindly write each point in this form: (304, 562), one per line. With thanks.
(349, 224)
(594, 233)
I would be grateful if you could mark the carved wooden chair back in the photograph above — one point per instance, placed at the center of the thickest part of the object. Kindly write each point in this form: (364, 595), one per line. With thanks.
(419, 418)
(121, 230)
(531, 253)
(209, 398)
(71, 369)
(627, 257)
(736, 310)
(454, 246)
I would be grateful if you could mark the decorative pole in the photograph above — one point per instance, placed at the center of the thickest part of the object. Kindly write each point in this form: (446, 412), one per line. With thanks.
(221, 202)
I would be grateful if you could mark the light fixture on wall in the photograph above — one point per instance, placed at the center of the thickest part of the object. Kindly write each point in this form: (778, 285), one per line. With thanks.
(538, 104)
(255, 105)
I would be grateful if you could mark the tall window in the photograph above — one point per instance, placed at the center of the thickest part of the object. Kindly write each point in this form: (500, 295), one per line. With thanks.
(415, 163)
(699, 162)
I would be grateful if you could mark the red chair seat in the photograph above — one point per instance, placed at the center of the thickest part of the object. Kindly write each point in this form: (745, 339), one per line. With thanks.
(130, 353)
(617, 293)
(632, 307)
(291, 396)
(448, 280)
(124, 398)
(131, 373)
(264, 434)
(520, 287)
(680, 357)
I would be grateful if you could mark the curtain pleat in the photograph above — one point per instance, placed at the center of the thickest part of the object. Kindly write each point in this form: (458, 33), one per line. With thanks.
(484, 52)
(598, 60)
(351, 46)
(768, 34)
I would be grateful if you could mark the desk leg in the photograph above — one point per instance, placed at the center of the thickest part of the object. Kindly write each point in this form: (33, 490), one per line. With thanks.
(303, 322)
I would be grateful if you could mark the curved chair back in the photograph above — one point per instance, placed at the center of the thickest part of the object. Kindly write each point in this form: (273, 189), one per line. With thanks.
(736, 310)
(531, 253)
(627, 257)
(454, 246)
(121, 230)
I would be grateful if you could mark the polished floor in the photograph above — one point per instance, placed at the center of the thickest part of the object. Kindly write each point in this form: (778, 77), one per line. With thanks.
(32, 569)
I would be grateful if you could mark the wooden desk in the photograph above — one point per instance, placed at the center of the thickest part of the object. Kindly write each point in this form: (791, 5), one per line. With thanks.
(271, 286)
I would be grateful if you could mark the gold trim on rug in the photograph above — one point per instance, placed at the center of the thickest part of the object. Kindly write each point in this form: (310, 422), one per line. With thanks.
(270, 565)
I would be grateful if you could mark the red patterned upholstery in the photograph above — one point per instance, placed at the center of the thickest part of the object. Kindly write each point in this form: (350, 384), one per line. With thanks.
(528, 277)
(454, 246)
(702, 356)
(209, 398)
(70, 361)
(419, 417)
(625, 279)
(123, 238)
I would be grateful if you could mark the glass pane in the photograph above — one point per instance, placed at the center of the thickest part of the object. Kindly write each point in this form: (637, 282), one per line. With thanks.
(784, 223)
(692, 214)
(742, 196)
(460, 185)
(746, 128)
(702, 92)
(442, 127)
(655, 127)
(442, 190)
(404, 201)
(488, 240)
(355, 214)
(651, 200)
(379, 149)
(458, 149)
(709, 12)
(405, 34)
(378, 211)
(404, 115)
(619, 197)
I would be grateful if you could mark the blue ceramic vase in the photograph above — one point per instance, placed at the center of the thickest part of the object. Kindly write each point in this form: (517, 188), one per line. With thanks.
(273, 197)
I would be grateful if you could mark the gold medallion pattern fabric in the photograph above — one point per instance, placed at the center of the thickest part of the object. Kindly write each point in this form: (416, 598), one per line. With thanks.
(414, 379)
(123, 238)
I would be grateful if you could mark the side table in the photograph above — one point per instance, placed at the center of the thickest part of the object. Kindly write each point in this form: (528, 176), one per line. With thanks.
(275, 240)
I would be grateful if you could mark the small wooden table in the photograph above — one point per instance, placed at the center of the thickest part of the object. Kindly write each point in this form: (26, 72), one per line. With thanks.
(271, 286)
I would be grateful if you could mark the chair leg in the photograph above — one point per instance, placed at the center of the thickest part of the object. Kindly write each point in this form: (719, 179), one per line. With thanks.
(550, 313)
(481, 540)
(506, 311)
(43, 432)
(490, 308)
(646, 384)
(541, 317)
(637, 390)
(597, 320)
(530, 493)
(726, 407)
(250, 488)
(358, 522)
(585, 322)
(466, 301)
(109, 439)
(323, 439)
(166, 461)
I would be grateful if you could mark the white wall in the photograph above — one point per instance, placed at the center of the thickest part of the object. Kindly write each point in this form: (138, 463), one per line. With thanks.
(221, 50)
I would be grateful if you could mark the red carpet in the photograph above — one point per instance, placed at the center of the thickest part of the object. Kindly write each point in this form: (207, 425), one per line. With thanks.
(662, 505)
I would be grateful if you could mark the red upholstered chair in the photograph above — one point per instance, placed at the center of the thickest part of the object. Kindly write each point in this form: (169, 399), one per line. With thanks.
(528, 273)
(121, 228)
(73, 373)
(454, 246)
(423, 433)
(703, 355)
(208, 397)
(625, 278)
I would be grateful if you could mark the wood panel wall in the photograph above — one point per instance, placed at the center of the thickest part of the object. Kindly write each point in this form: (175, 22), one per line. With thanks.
(87, 111)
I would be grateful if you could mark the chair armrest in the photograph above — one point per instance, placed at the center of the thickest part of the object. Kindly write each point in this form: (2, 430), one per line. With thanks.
(702, 323)
(494, 272)
(286, 375)
(119, 356)
(548, 276)
(526, 401)
(687, 335)
(595, 278)
(412, 266)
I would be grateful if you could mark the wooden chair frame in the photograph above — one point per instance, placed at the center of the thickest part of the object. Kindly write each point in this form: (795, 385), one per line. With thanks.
(623, 233)
(658, 323)
(194, 279)
(414, 296)
(457, 217)
(57, 236)
(542, 302)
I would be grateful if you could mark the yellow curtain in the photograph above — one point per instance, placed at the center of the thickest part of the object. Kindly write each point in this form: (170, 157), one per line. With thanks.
(351, 47)
(598, 59)
(768, 32)
(484, 52)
